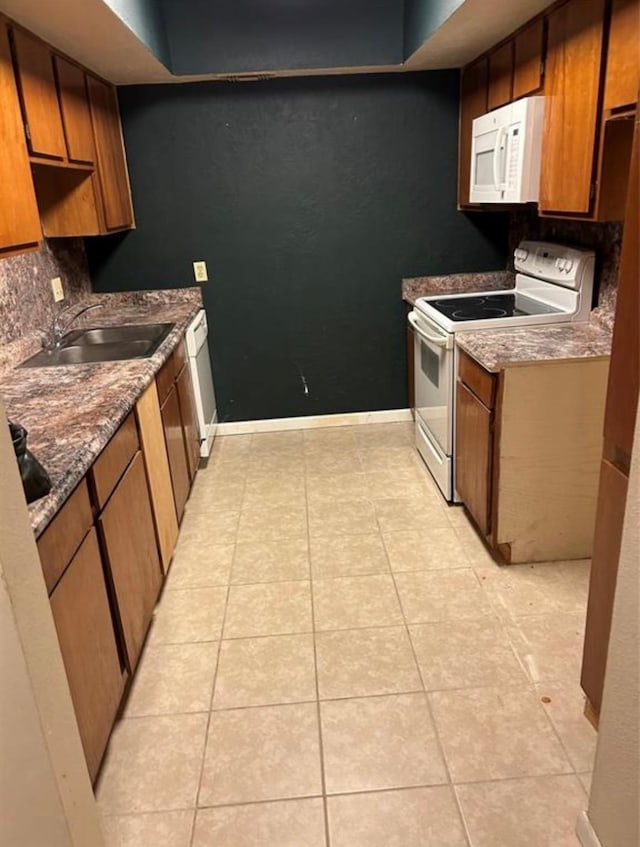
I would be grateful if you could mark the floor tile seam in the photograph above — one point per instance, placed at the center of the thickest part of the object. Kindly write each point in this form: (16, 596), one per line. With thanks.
(498, 780)
(213, 689)
(263, 802)
(436, 732)
(305, 702)
(558, 735)
(323, 779)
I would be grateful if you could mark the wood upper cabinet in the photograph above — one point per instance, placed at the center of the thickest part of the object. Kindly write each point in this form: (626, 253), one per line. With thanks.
(500, 76)
(85, 627)
(113, 177)
(129, 543)
(39, 96)
(528, 47)
(189, 417)
(473, 103)
(19, 222)
(623, 57)
(572, 86)
(76, 116)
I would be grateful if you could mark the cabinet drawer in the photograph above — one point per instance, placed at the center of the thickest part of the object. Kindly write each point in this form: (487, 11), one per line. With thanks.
(165, 379)
(114, 459)
(63, 536)
(481, 382)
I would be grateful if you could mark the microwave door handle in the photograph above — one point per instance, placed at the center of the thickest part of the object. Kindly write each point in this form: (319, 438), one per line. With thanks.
(438, 340)
(497, 183)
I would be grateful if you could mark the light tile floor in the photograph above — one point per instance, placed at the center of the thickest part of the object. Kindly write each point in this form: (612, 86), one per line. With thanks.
(336, 660)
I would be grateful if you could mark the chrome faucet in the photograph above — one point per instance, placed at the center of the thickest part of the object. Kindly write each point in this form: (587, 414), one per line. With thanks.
(58, 330)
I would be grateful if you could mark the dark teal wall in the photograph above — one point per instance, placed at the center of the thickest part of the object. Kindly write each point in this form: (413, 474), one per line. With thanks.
(309, 199)
(422, 18)
(236, 36)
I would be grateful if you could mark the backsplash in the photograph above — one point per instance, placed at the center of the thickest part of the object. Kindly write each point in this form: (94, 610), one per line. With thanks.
(604, 238)
(26, 302)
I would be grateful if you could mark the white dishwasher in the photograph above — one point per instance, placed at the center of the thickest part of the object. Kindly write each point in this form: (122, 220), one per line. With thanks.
(202, 381)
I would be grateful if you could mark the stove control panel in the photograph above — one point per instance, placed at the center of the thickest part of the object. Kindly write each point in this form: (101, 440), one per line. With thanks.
(570, 267)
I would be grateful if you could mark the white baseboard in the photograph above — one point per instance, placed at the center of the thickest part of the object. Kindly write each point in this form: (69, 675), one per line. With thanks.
(585, 832)
(314, 422)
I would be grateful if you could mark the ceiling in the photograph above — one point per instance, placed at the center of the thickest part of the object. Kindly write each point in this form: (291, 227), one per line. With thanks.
(91, 32)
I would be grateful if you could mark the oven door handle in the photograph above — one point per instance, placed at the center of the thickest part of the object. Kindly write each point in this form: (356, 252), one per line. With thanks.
(443, 341)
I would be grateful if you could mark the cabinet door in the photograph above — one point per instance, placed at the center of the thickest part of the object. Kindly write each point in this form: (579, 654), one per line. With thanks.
(39, 96)
(500, 76)
(528, 55)
(76, 116)
(19, 221)
(474, 456)
(189, 420)
(129, 541)
(623, 55)
(572, 88)
(85, 628)
(112, 165)
(473, 103)
(612, 497)
(174, 437)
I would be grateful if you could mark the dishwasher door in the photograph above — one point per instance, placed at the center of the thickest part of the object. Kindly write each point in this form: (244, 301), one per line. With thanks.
(202, 381)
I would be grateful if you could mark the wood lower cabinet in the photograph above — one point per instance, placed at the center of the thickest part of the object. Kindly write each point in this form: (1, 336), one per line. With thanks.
(84, 623)
(174, 438)
(572, 87)
(189, 417)
(474, 455)
(527, 467)
(129, 543)
(19, 221)
(113, 178)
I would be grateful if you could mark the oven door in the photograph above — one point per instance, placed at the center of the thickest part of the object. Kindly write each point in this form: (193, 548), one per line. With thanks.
(434, 376)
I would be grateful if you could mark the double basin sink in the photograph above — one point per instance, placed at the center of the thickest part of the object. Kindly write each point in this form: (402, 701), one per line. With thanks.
(103, 344)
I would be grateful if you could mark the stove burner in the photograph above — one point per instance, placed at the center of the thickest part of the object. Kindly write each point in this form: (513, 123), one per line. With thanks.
(486, 312)
(491, 306)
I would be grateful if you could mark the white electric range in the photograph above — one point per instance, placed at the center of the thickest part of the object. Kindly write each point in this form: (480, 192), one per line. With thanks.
(554, 284)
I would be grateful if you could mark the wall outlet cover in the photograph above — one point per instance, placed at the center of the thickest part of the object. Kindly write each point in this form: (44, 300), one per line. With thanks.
(58, 290)
(200, 271)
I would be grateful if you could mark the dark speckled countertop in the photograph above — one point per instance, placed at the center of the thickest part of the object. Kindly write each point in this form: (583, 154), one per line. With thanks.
(423, 286)
(71, 412)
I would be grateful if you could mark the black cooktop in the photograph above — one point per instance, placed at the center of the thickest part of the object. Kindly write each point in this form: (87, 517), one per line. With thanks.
(491, 306)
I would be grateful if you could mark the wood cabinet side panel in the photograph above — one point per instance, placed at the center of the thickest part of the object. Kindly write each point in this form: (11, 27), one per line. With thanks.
(572, 89)
(39, 96)
(623, 58)
(473, 103)
(612, 497)
(474, 456)
(129, 540)
(157, 463)
(549, 453)
(19, 220)
(624, 375)
(85, 628)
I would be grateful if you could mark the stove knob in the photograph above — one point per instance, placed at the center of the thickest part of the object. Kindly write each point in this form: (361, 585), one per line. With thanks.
(568, 265)
(559, 264)
(524, 254)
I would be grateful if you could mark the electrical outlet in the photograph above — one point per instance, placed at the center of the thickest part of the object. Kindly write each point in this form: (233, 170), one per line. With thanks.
(58, 291)
(200, 271)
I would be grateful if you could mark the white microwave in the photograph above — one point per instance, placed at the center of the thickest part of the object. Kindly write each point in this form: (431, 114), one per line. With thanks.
(506, 152)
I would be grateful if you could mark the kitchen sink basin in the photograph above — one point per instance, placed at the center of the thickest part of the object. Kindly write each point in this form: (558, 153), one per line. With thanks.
(105, 344)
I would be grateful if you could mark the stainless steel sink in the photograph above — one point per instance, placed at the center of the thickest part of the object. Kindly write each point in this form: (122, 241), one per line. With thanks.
(105, 344)
(117, 334)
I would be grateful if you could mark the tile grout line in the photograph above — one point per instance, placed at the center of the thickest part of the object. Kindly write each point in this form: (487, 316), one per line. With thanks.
(428, 706)
(325, 808)
(213, 687)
